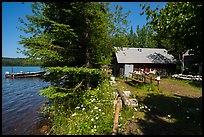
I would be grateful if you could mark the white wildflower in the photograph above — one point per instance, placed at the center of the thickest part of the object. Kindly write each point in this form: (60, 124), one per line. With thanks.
(187, 117)
(81, 105)
(83, 109)
(145, 107)
(133, 117)
(95, 107)
(149, 109)
(103, 113)
(121, 118)
(77, 108)
(99, 110)
(92, 119)
(92, 130)
(94, 126)
(187, 111)
(169, 116)
(96, 118)
(135, 109)
(92, 110)
(74, 114)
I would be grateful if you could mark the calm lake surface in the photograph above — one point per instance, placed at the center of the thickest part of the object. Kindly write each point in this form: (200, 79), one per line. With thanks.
(21, 102)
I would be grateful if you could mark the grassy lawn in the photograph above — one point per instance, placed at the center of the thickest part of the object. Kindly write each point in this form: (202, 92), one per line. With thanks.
(173, 108)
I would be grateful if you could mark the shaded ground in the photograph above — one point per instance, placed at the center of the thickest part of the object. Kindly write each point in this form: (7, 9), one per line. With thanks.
(173, 108)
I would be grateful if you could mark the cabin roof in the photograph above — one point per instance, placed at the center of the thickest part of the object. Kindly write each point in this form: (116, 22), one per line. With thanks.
(143, 55)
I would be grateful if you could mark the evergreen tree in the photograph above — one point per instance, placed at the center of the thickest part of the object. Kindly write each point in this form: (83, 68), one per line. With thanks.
(73, 34)
(73, 39)
(143, 38)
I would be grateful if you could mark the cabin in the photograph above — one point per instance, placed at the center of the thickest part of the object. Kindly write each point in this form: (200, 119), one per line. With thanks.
(127, 60)
(191, 64)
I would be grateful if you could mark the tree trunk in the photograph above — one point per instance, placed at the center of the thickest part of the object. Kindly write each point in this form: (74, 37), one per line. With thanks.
(181, 58)
(87, 78)
(87, 62)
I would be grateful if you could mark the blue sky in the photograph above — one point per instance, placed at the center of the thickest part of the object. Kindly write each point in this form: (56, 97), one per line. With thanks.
(12, 10)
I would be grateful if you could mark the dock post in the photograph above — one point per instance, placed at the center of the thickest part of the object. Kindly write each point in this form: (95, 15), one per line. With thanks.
(151, 79)
(12, 69)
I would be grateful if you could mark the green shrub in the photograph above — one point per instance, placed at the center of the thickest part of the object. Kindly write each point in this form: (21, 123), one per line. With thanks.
(94, 114)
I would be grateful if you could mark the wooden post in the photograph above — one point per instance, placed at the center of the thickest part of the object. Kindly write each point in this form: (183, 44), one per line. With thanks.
(158, 79)
(158, 84)
(117, 110)
(144, 78)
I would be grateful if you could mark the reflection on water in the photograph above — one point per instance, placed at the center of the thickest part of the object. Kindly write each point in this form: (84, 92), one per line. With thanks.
(21, 103)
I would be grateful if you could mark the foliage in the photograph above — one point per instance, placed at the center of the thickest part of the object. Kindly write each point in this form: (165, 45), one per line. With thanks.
(74, 40)
(92, 114)
(132, 38)
(118, 30)
(70, 77)
(146, 37)
(143, 38)
(178, 26)
(59, 41)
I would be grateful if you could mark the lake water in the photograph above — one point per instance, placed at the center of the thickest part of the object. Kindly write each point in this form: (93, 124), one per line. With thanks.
(21, 102)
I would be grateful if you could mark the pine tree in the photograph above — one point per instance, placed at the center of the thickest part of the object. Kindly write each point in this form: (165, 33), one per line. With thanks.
(72, 39)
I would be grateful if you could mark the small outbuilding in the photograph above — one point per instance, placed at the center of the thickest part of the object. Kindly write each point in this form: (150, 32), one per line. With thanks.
(191, 64)
(145, 59)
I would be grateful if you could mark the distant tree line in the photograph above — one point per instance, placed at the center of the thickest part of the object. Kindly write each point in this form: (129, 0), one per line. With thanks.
(19, 62)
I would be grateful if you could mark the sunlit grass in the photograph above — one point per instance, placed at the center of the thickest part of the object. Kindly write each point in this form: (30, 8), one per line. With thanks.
(175, 107)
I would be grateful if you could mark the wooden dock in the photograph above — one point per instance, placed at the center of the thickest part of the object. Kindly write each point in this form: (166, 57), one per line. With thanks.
(25, 75)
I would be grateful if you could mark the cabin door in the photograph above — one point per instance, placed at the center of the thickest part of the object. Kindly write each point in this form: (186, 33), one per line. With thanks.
(128, 69)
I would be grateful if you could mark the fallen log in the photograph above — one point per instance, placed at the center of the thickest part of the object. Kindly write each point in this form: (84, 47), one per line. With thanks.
(117, 110)
(125, 100)
(123, 96)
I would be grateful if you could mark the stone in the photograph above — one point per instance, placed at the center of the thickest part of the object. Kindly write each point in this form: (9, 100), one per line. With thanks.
(133, 102)
(127, 93)
(44, 129)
